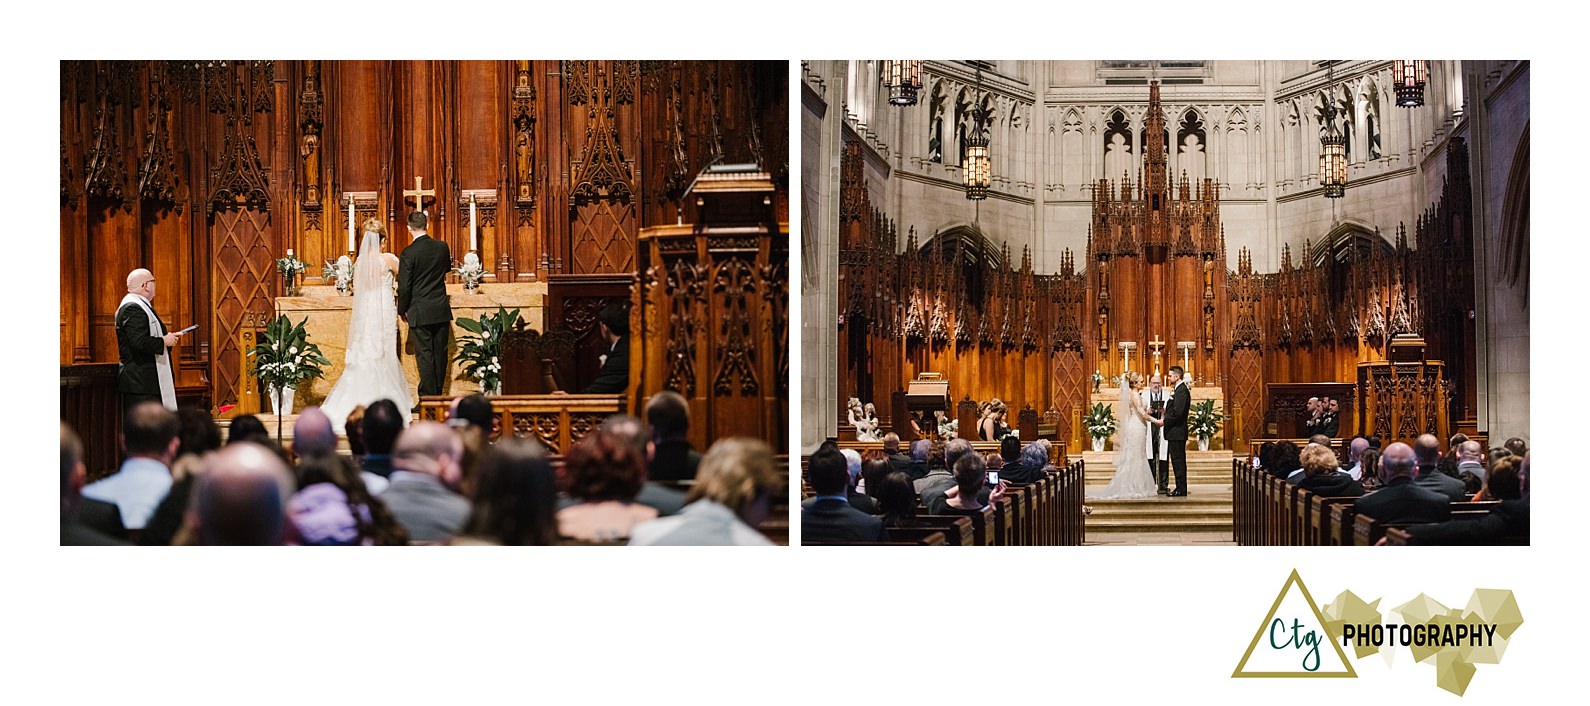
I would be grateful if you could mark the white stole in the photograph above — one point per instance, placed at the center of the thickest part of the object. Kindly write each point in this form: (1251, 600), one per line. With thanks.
(168, 385)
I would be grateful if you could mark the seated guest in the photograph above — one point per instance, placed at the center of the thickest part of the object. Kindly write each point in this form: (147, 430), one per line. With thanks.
(1501, 483)
(1454, 446)
(1322, 477)
(1355, 455)
(1030, 463)
(858, 499)
(382, 424)
(1400, 500)
(516, 498)
(613, 325)
(733, 493)
(241, 499)
(1330, 419)
(475, 411)
(354, 426)
(73, 473)
(919, 459)
(1369, 469)
(198, 437)
(672, 456)
(830, 517)
(897, 498)
(1517, 446)
(149, 435)
(993, 461)
(1266, 456)
(891, 449)
(247, 427)
(972, 494)
(1508, 522)
(1427, 451)
(605, 473)
(425, 463)
(938, 473)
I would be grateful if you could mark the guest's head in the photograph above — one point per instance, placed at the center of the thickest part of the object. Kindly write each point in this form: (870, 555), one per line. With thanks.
(852, 464)
(1369, 465)
(1374, 442)
(606, 465)
(669, 416)
(1471, 451)
(1010, 448)
(1267, 455)
(247, 427)
(935, 458)
(954, 449)
(1333, 405)
(1426, 451)
(383, 422)
(1317, 460)
(919, 450)
(312, 434)
(891, 443)
(993, 461)
(73, 472)
(970, 473)
(1517, 446)
(354, 427)
(628, 430)
(827, 474)
(1502, 481)
(429, 448)
(1285, 458)
(1320, 439)
(1356, 449)
(1455, 443)
(738, 474)
(474, 410)
(197, 432)
(897, 497)
(1314, 404)
(1497, 454)
(1035, 454)
(874, 465)
(150, 431)
(515, 496)
(1396, 462)
(242, 499)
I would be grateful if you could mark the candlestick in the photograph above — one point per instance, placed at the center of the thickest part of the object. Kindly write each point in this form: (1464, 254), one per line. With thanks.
(350, 224)
(472, 244)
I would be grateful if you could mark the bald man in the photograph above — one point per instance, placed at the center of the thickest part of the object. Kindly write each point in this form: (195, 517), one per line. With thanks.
(1427, 450)
(142, 340)
(242, 500)
(312, 434)
(1400, 499)
(425, 461)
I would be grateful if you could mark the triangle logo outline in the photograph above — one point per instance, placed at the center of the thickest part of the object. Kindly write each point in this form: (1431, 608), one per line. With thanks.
(1240, 672)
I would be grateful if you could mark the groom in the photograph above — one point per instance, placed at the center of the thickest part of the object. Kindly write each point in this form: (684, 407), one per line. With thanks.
(422, 302)
(1176, 428)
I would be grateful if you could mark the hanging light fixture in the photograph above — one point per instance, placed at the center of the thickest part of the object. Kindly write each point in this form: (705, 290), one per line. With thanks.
(976, 170)
(1333, 154)
(903, 78)
(1408, 77)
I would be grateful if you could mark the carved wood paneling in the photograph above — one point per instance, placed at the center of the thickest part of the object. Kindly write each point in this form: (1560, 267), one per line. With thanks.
(243, 297)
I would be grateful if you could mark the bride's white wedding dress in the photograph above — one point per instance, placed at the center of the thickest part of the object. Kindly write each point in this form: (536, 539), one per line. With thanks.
(1132, 477)
(371, 370)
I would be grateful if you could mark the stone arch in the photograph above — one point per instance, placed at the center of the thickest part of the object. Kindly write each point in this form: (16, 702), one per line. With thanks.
(1515, 220)
(1346, 236)
(965, 245)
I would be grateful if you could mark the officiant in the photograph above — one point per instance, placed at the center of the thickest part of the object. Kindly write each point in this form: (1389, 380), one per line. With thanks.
(142, 340)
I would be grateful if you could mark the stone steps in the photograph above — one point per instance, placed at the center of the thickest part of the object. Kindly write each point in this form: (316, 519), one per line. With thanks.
(1206, 509)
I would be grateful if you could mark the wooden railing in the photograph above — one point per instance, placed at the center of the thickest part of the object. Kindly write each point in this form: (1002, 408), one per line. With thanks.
(91, 406)
(557, 421)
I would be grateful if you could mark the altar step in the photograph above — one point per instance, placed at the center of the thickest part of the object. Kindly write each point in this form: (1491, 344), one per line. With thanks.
(1205, 512)
(1203, 467)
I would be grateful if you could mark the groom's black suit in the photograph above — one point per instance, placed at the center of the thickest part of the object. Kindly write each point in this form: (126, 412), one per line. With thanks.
(1176, 434)
(422, 300)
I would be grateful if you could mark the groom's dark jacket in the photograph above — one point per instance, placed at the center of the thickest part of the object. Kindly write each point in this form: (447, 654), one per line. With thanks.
(1176, 414)
(422, 282)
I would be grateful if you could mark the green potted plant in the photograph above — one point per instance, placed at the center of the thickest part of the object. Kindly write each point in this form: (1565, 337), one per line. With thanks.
(1100, 422)
(283, 358)
(480, 352)
(1204, 421)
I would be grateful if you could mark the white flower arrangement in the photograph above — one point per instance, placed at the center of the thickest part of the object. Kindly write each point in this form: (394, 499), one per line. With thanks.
(470, 271)
(339, 273)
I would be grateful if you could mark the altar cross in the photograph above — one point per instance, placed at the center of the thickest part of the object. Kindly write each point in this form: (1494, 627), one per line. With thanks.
(1156, 344)
(419, 194)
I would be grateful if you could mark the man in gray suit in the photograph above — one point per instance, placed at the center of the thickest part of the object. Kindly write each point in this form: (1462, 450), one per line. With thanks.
(1427, 449)
(425, 462)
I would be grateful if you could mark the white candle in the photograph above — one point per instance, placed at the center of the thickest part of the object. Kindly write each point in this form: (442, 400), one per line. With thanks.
(472, 245)
(350, 224)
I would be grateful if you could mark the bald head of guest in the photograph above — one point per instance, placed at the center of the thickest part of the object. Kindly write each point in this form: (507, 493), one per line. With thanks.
(142, 283)
(1396, 462)
(1427, 450)
(430, 448)
(242, 499)
(891, 443)
(312, 434)
(631, 431)
(1471, 451)
(1356, 449)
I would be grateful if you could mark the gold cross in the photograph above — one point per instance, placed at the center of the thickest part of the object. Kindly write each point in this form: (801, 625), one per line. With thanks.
(419, 194)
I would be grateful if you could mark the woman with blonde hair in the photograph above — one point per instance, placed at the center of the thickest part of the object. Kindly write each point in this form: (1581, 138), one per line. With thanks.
(733, 493)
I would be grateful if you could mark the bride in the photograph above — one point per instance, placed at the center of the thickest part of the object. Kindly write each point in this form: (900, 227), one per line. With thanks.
(370, 369)
(1132, 476)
